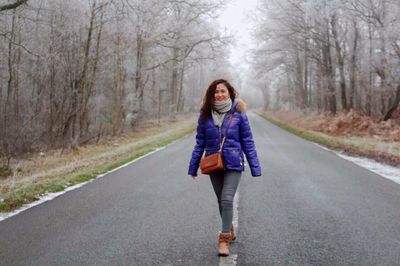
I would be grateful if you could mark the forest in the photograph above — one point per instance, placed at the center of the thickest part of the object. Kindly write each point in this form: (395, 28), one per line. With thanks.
(329, 56)
(72, 72)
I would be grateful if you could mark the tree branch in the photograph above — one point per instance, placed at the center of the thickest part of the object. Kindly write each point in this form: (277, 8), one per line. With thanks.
(13, 6)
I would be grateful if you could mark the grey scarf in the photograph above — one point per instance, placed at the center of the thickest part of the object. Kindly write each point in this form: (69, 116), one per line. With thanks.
(219, 111)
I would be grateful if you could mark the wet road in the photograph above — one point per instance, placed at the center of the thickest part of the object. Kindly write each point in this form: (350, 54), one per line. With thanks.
(310, 207)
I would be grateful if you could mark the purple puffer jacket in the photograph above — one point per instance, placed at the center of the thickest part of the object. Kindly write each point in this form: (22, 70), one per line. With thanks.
(239, 139)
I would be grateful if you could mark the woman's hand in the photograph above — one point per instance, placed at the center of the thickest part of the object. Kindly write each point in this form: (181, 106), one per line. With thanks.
(194, 177)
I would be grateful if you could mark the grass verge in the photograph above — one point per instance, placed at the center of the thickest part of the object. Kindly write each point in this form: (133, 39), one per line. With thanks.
(344, 144)
(86, 165)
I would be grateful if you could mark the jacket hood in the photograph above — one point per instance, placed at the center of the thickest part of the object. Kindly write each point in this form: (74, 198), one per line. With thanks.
(241, 105)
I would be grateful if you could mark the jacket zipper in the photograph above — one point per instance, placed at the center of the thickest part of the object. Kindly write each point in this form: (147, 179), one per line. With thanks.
(220, 136)
(220, 139)
(220, 129)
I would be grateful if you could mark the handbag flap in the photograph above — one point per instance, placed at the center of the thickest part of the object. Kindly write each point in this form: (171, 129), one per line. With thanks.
(210, 160)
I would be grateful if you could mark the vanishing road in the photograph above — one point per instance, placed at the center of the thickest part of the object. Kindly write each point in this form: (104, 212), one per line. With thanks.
(310, 207)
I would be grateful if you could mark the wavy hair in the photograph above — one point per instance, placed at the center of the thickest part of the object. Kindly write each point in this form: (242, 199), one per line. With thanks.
(208, 100)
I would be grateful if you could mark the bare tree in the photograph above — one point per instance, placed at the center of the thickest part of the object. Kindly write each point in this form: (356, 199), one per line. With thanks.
(338, 55)
(73, 71)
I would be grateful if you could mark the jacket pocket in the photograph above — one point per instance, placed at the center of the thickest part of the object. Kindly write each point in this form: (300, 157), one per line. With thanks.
(211, 151)
(232, 157)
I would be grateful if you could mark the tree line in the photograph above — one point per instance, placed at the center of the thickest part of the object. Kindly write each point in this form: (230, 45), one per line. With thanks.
(74, 71)
(329, 55)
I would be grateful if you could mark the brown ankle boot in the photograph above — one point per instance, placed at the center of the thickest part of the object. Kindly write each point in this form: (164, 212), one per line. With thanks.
(233, 234)
(223, 244)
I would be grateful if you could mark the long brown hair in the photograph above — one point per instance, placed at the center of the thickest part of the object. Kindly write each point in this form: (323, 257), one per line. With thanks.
(208, 100)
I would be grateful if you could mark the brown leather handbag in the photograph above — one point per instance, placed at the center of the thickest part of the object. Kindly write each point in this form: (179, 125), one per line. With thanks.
(213, 162)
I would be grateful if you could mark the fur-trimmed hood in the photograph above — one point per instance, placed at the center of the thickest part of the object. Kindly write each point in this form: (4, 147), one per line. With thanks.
(241, 106)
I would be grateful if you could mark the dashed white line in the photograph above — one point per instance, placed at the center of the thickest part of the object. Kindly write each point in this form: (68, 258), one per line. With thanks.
(232, 258)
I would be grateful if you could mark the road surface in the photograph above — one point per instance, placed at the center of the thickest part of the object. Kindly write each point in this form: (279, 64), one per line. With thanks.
(310, 207)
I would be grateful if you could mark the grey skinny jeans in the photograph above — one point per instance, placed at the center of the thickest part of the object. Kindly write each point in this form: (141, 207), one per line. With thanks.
(225, 184)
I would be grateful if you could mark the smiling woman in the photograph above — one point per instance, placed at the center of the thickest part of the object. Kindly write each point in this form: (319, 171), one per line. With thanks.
(233, 137)
(221, 93)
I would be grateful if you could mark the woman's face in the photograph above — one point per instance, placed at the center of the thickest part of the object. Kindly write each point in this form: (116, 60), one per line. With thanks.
(221, 93)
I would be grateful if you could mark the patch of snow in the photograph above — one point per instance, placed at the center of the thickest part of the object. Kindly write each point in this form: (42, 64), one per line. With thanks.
(381, 169)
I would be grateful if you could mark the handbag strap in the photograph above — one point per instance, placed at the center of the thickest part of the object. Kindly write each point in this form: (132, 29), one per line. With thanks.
(223, 140)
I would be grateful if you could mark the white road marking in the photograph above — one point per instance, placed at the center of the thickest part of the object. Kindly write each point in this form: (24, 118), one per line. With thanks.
(50, 196)
(232, 258)
(228, 261)
(235, 220)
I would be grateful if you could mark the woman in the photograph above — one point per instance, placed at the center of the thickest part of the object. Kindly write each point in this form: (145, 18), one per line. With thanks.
(213, 125)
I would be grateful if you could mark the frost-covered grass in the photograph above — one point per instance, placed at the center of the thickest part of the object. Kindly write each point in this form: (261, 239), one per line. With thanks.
(383, 151)
(55, 171)
(372, 144)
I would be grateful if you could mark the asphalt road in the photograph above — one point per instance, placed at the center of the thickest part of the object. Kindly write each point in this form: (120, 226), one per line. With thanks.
(310, 207)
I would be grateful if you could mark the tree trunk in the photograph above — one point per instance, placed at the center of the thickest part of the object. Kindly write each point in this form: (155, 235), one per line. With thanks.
(174, 80)
(10, 83)
(118, 90)
(368, 97)
(17, 132)
(83, 95)
(329, 78)
(181, 95)
(394, 105)
(306, 91)
(353, 64)
(299, 83)
(266, 95)
(138, 73)
(340, 59)
(90, 86)
(52, 70)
